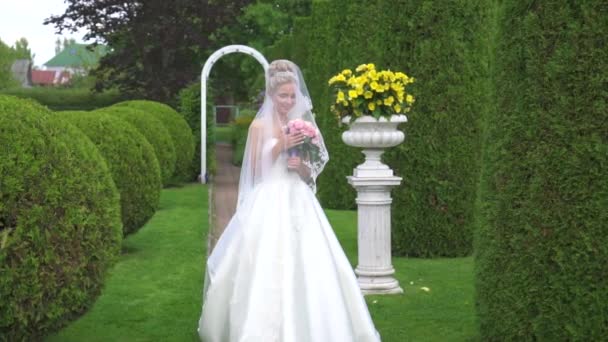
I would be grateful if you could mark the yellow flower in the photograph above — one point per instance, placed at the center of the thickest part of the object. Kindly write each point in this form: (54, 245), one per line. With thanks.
(397, 108)
(379, 102)
(340, 78)
(368, 94)
(362, 80)
(373, 75)
(352, 94)
(400, 96)
(361, 67)
(389, 101)
(347, 72)
(340, 97)
(396, 86)
(371, 106)
(360, 89)
(374, 85)
(371, 66)
(409, 99)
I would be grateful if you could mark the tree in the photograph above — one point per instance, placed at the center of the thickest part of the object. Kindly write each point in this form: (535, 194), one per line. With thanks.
(156, 47)
(68, 42)
(57, 46)
(6, 60)
(22, 49)
(259, 25)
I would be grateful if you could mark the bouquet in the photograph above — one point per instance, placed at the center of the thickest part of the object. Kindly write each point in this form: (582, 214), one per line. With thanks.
(370, 92)
(309, 148)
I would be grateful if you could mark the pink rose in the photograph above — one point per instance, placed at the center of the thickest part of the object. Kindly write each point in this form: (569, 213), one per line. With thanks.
(298, 124)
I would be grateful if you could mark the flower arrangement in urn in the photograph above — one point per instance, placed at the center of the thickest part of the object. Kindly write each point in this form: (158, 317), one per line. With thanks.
(368, 91)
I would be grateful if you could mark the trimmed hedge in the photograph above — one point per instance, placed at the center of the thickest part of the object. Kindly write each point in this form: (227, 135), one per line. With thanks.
(441, 46)
(156, 134)
(60, 224)
(189, 100)
(131, 160)
(542, 241)
(240, 129)
(180, 133)
(59, 99)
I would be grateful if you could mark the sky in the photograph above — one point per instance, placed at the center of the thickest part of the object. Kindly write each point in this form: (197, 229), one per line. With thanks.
(24, 18)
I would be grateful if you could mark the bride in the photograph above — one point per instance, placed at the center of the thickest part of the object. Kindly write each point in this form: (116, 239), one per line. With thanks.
(278, 273)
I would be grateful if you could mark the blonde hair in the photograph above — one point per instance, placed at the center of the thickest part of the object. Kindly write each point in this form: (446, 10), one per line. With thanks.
(280, 72)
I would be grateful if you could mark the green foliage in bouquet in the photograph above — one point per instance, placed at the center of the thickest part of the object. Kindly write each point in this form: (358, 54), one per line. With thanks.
(60, 226)
(131, 160)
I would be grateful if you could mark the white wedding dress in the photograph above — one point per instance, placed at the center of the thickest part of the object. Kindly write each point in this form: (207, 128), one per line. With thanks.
(283, 275)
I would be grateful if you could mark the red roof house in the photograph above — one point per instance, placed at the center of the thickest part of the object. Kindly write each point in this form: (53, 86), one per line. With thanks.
(49, 77)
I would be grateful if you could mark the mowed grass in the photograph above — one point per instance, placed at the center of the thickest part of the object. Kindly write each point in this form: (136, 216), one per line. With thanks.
(445, 313)
(154, 293)
(223, 133)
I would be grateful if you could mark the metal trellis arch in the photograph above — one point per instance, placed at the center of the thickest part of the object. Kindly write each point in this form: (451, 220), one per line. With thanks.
(204, 78)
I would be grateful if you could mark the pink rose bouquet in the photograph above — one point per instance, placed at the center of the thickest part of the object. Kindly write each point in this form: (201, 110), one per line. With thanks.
(309, 148)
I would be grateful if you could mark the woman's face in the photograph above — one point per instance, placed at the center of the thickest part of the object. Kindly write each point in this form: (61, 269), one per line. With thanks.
(284, 98)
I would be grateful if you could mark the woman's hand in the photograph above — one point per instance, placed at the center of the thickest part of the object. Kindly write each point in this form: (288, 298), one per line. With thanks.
(294, 163)
(291, 139)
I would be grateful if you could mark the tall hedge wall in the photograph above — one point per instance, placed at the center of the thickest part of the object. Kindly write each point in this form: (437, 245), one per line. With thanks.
(60, 226)
(439, 44)
(542, 241)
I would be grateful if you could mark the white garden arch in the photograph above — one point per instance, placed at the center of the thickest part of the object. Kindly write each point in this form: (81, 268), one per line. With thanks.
(204, 78)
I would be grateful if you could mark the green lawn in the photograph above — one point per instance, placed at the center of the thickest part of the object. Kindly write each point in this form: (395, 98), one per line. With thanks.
(223, 133)
(154, 292)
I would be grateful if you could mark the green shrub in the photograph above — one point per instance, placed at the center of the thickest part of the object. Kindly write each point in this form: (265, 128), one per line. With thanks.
(59, 99)
(190, 107)
(156, 134)
(542, 242)
(240, 129)
(131, 160)
(7, 57)
(60, 224)
(180, 133)
(441, 46)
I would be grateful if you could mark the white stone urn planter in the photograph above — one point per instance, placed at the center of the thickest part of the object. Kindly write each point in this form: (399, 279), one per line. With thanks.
(373, 135)
(373, 181)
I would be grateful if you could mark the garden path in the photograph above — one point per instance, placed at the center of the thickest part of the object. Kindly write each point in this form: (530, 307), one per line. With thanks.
(223, 193)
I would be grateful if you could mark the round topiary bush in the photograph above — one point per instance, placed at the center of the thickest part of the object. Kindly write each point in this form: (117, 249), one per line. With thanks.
(180, 132)
(60, 224)
(131, 160)
(156, 134)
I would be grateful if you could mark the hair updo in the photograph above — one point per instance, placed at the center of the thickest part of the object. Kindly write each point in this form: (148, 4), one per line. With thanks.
(280, 72)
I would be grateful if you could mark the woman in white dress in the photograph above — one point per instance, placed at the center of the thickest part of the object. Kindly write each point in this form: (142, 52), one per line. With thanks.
(278, 273)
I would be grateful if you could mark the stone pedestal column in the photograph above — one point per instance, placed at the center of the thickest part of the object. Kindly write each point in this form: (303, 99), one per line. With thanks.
(375, 271)
(373, 181)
